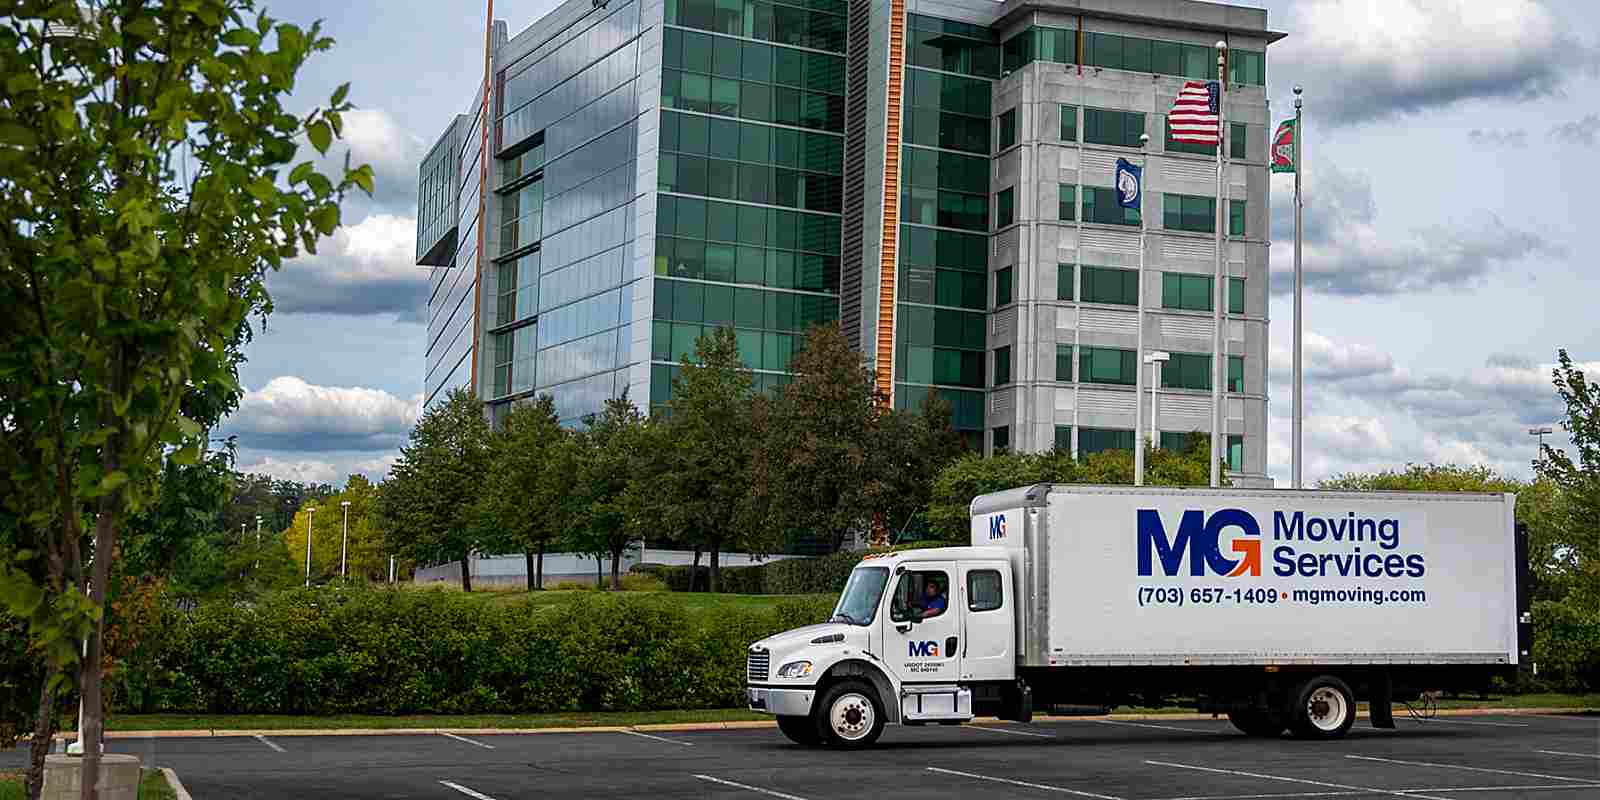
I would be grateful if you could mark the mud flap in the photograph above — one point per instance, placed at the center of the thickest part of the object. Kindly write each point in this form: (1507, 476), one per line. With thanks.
(1380, 703)
(1018, 706)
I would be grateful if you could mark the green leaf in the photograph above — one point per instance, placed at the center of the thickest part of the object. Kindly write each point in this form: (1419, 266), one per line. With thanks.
(263, 190)
(111, 482)
(14, 134)
(299, 174)
(363, 178)
(339, 95)
(320, 134)
(325, 219)
(241, 37)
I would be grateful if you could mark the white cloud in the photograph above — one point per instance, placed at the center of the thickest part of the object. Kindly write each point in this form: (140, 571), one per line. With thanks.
(1365, 60)
(365, 268)
(373, 137)
(318, 470)
(289, 414)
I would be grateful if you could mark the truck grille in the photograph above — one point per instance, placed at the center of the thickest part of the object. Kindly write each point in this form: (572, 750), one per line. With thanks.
(758, 665)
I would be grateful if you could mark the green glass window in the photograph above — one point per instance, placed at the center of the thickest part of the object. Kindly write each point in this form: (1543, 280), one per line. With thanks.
(1193, 292)
(1069, 123)
(1100, 206)
(1238, 141)
(1236, 217)
(1063, 281)
(1191, 148)
(1067, 202)
(1002, 365)
(1008, 129)
(1002, 439)
(1002, 288)
(1187, 371)
(1063, 441)
(952, 46)
(1236, 295)
(1107, 285)
(1118, 128)
(1096, 440)
(1005, 208)
(1236, 453)
(1107, 365)
(1182, 212)
(1040, 44)
(1180, 441)
(1236, 374)
(1248, 67)
(1064, 363)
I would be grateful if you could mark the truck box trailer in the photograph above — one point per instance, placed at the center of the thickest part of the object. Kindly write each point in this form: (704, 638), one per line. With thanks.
(1280, 609)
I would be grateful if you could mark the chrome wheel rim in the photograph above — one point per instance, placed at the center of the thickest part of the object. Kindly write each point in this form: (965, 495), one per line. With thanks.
(1327, 709)
(852, 717)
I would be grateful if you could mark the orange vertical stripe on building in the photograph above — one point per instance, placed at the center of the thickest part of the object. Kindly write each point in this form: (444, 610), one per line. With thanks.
(889, 258)
(483, 197)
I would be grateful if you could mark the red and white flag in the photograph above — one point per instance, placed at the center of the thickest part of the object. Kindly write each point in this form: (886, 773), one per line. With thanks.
(1196, 115)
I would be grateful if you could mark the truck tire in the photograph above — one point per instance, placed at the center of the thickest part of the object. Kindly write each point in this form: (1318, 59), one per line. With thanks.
(1257, 723)
(1324, 708)
(800, 730)
(849, 715)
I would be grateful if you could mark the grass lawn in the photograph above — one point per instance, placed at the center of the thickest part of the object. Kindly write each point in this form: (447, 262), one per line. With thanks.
(152, 787)
(178, 722)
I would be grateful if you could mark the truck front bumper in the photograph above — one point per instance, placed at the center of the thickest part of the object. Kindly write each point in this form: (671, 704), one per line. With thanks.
(783, 702)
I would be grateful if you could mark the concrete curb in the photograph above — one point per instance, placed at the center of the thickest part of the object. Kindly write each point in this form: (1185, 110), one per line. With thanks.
(733, 725)
(175, 784)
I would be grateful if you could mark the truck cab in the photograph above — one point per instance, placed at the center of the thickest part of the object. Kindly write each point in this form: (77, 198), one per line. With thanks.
(917, 636)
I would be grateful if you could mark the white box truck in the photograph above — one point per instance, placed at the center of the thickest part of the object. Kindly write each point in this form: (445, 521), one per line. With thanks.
(1280, 609)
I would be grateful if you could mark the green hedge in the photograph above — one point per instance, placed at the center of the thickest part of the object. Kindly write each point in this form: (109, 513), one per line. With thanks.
(403, 652)
(822, 575)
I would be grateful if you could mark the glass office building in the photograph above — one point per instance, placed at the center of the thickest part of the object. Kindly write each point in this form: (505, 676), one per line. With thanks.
(933, 177)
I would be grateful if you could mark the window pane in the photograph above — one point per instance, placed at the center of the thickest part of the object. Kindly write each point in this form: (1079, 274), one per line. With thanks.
(1008, 129)
(1064, 363)
(1002, 439)
(1236, 295)
(1002, 287)
(1067, 202)
(984, 591)
(1069, 123)
(1063, 281)
(1063, 438)
(1002, 366)
(1005, 211)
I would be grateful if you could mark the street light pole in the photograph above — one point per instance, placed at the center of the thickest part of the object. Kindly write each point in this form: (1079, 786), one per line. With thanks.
(1155, 359)
(258, 541)
(309, 513)
(344, 542)
(1138, 374)
(1541, 432)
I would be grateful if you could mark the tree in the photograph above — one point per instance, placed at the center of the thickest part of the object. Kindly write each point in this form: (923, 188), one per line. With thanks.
(607, 456)
(424, 506)
(1578, 480)
(909, 450)
(709, 424)
(363, 553)
(147, 187)
(526, 492)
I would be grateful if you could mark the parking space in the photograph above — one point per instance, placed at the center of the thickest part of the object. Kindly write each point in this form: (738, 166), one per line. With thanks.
(1490, 757)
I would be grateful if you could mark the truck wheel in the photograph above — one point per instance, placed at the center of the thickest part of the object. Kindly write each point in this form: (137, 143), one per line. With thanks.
(848, 715)
(1324, 708)
(800, 730)
(1260, 724)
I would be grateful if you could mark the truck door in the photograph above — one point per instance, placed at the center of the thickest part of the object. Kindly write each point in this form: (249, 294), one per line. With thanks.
(988, 621)
(922, 631)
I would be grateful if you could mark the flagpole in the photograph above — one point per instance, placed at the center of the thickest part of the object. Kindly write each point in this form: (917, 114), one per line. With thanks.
(1138, 381)
(1218, 359)
(1299, 291)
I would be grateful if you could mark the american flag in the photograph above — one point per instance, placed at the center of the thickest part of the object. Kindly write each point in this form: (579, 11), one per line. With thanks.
(1195, 117)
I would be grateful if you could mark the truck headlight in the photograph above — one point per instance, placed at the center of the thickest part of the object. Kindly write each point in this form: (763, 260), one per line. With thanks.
(795, 669)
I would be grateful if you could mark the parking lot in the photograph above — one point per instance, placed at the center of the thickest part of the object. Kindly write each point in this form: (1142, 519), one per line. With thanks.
(1453, 758)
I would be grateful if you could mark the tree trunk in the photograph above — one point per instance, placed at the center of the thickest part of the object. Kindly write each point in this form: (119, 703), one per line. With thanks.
(105, 548)
(694, 571)
(538, 567)
(599, 573)
(527, 559)
(716, 568)
(43, 731)
(616, 571)
(466, 574)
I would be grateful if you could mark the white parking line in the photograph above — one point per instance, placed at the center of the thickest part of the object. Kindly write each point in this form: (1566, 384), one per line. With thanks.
(464, 790)
(268, 742)
(1149, 725)
(1007, 730)
(658, 738)
(468, 741)
(1565, 753)
(1368, 789)
(1437, 721)
(1494, 788)
(1267, 796)
(747, 787)
(1588, 781)
(991, 778)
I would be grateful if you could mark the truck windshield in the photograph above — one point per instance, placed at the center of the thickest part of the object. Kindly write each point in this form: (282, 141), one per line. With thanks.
(859, 603)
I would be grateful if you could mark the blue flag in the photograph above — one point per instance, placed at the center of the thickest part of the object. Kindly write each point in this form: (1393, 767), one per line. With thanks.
(1130, 184)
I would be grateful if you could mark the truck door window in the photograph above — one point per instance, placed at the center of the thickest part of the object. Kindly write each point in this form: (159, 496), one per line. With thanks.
(920, 595)
(984, 591)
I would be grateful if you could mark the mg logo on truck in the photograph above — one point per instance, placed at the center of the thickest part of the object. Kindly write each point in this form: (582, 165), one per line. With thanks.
(1202, 539)
(997, 527)
(923, 649)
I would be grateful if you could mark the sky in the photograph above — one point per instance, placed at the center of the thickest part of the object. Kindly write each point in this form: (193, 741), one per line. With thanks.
(1452, 156)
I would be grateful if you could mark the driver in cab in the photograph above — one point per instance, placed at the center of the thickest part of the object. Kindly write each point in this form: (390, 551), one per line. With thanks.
(934, 601)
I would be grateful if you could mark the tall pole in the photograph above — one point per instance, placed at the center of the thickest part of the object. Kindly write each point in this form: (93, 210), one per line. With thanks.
(309, 513)
(1218, 358)
(1155, 389)
(344, 540)
(1299, 292)
(1138, 379)
(258, 541)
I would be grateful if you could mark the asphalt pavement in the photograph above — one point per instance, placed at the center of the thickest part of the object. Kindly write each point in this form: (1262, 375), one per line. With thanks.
(1475, 758)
